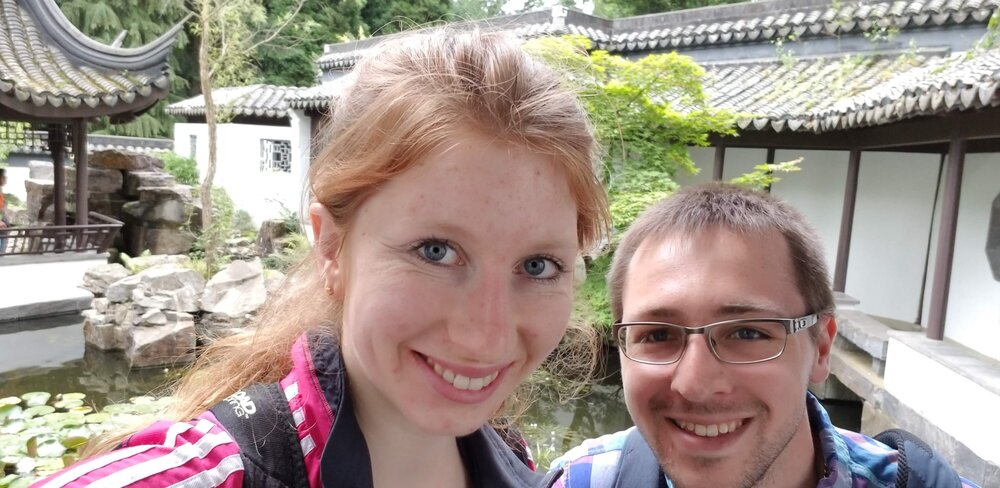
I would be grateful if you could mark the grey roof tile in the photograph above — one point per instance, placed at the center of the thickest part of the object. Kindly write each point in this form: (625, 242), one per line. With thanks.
(252, 101)
(63, 68)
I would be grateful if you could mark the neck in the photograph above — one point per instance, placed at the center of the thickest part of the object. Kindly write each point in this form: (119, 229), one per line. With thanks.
(401, 454)
(799, 464)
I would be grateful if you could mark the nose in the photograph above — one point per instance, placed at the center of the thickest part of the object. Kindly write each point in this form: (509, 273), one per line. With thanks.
(699, 376)
(486, 327)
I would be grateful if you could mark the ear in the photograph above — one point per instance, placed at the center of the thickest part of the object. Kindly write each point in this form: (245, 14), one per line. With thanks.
(328, 237)
(824, 347)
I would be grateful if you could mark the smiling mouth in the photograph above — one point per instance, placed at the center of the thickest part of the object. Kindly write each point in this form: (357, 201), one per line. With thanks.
(709, 430)
(461, 382)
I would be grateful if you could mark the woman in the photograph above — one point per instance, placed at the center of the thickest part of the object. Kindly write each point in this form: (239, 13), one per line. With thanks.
(452, 199)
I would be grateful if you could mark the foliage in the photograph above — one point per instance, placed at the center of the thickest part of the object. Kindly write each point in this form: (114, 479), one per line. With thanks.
(104, 20)
(646, 113)
(11, 136)
(41, 433)
(185, 170)
(389, 16)
(131, 264)
(476, 9)
(292, 249)
(593, 302)
(626, 8)
(214, 235)
(762, 176)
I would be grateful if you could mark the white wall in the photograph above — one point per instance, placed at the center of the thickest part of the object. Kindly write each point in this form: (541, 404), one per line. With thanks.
(238, 168)
(907, 376)
(973, 316)
(892, 223)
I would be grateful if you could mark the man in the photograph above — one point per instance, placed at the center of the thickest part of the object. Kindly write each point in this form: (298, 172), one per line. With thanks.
(724, 316)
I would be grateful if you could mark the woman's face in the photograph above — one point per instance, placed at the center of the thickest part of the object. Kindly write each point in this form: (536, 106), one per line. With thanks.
(456, 279)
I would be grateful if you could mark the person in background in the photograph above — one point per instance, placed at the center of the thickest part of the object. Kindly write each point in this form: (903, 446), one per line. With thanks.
(455, 193)
(724, 315)
(4, 223)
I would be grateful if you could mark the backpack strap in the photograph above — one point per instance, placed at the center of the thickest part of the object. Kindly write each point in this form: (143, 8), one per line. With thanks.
(638, 466)
(260, 421)
(918, 466)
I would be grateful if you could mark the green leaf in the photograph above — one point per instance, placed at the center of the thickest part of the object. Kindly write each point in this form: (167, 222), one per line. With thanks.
(36, 398)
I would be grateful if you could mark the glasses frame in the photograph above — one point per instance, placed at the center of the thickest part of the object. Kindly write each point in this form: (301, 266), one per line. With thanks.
(791, 326)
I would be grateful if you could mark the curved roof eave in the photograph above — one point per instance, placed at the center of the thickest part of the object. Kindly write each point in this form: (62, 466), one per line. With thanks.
(79, 45)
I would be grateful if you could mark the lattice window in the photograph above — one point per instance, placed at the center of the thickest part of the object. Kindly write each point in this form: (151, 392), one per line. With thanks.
(193, 154)
(23, 137)
(275, 156)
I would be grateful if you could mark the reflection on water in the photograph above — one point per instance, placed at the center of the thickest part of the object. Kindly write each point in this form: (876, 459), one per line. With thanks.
(49, 355)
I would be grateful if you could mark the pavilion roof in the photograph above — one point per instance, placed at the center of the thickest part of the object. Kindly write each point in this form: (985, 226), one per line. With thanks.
(51, 70)
(252, 101)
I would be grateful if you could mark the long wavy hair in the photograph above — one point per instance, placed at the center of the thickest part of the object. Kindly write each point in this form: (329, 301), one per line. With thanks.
(401, 101)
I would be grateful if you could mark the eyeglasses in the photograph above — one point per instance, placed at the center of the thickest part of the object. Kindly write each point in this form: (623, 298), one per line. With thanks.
(740, 341)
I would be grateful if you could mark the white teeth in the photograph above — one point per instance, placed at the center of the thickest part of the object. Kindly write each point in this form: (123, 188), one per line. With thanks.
(711, 430)
(462, 382)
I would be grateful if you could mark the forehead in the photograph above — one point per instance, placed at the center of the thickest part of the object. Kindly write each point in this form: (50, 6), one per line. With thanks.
(710, 271)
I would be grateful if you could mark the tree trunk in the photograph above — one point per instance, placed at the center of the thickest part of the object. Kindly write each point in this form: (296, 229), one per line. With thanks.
(209, 239)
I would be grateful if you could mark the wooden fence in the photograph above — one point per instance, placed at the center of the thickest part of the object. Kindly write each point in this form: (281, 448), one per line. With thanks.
(48, 239)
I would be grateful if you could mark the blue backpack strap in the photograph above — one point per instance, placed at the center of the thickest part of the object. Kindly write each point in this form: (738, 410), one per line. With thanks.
(638, 466)
(918, 466)
(260, 421)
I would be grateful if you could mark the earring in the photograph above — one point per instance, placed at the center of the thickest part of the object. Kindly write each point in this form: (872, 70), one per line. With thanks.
(329, 291)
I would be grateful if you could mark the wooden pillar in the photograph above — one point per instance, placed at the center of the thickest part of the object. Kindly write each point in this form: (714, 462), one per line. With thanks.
(57, 147)
(720, 161)
(80, 160)
(847, 220)
(946, 238)
(770, 160)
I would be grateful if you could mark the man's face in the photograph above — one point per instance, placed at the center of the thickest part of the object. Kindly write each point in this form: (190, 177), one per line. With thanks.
(712, 276)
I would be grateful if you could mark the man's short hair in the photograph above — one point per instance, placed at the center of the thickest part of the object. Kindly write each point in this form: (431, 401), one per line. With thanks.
(736, 209)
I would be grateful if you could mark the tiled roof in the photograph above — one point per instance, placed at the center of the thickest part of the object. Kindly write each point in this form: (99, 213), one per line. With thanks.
(46, 64)
(316, 97)
(824, 94)
(252, 101)
(553, 22)
(685, 29)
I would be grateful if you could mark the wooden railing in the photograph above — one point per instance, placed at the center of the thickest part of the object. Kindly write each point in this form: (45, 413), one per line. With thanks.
(48, 239)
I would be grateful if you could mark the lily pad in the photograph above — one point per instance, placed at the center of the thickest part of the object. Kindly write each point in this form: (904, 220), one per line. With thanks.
(142, 400)
(97, 418)
(51, 448)
(9, 410)
(68, 404)
(84, 410)
(72, 396)
(13, 427)
(13, 400)
(36, 398)
(39, 410)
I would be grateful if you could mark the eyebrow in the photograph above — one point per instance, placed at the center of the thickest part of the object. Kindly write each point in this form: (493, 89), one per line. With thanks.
(668, 314)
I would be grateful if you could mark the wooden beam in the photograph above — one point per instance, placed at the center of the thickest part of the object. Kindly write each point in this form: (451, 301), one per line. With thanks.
(720, 161)
(82, 177)
(946, 238)
(770, 160)
(57, 147)
(847, 220)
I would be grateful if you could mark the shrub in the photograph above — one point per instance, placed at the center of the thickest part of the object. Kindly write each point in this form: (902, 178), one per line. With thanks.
(182, 168)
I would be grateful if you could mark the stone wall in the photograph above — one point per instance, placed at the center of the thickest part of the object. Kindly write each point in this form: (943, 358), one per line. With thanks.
(129, 187)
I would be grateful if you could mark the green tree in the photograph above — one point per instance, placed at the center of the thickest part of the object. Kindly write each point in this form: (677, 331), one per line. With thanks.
(290, 59)
(105, 20)
(476, 9)
(230, 33)
(626, 8)
(389, 16)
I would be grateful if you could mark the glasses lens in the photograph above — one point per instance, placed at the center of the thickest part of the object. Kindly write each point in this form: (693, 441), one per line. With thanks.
(748, 341)
(654, 343)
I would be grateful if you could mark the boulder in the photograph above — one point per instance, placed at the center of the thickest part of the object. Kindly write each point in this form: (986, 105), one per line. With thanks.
(175, 260)
(41, 170)
(100, 305)
(137, 180)
(160, 280)
(97, 279)
(152, 317)
(167, 240)
(40, 199)
(268, 235)
(116, 159)
(214, 326)
(99, 180)
(172, 343)
(154, 213)
(121, 290)
(106, 336)
(273, 280)
(160, 193)
(235, 291)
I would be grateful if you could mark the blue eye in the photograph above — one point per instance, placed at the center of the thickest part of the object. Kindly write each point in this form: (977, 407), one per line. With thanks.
(437, 252)
(542, 268)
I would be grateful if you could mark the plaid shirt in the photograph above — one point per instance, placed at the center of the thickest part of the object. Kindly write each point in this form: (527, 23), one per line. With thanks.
(853, 460)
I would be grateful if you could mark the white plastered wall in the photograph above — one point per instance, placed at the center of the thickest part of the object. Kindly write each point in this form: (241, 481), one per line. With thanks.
(262, 194)
(973, 316)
